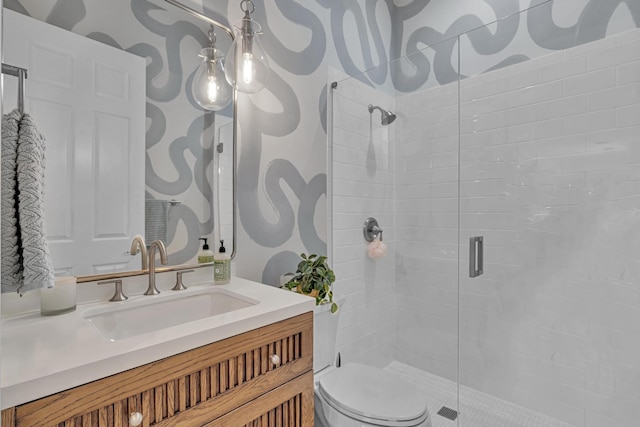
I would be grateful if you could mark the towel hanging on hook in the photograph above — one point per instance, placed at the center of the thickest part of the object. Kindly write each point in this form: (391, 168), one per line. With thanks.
(21, 74)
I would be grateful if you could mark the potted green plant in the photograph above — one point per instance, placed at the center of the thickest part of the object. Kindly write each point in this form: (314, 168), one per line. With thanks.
(314, 278)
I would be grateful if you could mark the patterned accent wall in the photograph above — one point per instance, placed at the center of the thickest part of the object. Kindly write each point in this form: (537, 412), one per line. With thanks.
(283, 130)
(282, 154)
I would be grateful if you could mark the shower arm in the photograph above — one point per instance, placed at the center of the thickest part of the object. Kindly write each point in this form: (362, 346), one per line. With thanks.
(375, 107)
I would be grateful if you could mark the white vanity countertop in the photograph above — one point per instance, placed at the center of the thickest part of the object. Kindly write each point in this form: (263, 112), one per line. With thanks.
(45, 355)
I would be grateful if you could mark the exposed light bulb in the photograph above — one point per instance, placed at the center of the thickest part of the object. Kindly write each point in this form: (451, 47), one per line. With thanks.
(210, 89)
(247, 68)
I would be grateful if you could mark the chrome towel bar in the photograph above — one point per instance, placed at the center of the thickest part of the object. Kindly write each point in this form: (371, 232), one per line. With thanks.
(21, 74)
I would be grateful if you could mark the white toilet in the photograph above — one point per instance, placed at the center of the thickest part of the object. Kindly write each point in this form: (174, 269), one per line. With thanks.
(356, 395)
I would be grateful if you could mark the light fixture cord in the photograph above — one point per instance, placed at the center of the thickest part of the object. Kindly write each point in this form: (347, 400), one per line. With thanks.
(212, 40)
(212, 36)
(247, 7)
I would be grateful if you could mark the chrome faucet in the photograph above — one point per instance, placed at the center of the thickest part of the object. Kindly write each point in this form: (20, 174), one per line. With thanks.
(156, 244)
(137, 244)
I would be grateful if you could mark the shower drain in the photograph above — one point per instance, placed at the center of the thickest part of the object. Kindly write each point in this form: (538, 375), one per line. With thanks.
(448, 413)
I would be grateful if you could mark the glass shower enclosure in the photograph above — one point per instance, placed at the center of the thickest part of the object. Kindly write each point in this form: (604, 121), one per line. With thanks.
(508, 192)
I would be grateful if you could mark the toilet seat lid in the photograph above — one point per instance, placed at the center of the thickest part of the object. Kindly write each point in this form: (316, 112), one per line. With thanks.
(367, 393)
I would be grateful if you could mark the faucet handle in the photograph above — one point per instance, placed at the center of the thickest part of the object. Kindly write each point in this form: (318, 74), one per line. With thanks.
(179, 286)
(118, 295)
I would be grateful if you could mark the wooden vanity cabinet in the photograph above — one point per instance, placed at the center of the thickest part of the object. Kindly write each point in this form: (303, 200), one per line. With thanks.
(260, 378)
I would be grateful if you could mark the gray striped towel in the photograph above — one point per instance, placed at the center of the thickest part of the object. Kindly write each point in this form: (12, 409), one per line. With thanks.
(11, 252)
(37, 265)
(155, 220)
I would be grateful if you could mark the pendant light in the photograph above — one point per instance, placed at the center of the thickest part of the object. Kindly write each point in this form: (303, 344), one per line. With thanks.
(247, 69)
(210, 88)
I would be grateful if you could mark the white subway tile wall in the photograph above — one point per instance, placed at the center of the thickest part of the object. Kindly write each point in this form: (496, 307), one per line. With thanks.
(548, 156)
(561, 277)
(427, 221)
(363, 186)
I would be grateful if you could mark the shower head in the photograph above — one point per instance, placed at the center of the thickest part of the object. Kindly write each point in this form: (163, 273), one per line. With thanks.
(387, 116)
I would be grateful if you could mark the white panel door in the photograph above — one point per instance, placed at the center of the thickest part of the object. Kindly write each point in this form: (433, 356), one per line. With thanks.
(88, 100)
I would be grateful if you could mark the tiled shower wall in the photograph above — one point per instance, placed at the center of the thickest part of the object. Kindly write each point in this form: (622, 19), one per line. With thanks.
(362, 187)
(552, 147)
(427, 223)
(550, 176)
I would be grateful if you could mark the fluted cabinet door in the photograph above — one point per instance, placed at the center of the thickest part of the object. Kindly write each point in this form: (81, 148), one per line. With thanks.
(290, 405)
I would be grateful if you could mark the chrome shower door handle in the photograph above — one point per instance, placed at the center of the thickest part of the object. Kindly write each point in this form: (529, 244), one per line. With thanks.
(476, 255)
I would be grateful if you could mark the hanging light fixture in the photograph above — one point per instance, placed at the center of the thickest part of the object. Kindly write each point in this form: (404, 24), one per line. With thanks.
(247, 69)
(210, 88)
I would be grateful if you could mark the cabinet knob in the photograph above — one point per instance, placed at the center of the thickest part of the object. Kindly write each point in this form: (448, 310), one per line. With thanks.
(135, 419)
(275, 359)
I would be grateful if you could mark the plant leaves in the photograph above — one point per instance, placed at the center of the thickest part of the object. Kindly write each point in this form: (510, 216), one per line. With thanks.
(313, 273)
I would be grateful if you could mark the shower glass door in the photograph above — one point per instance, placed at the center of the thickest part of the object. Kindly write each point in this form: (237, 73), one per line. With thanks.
(401, 310)
(550, 178)
(426, 212)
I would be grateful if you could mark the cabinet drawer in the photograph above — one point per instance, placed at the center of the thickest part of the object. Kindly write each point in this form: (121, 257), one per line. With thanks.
(191, 388)
(289, 405)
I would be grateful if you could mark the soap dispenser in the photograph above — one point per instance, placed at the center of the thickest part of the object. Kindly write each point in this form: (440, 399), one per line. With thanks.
(206, 254)
(221, 266)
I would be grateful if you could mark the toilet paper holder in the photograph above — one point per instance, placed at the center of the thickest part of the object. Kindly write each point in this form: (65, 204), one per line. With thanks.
(371, 229)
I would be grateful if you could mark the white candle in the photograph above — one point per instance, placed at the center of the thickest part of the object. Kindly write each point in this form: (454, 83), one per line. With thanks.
(59, 299)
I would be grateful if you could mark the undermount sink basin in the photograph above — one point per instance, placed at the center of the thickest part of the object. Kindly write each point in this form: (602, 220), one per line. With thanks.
(133, 318)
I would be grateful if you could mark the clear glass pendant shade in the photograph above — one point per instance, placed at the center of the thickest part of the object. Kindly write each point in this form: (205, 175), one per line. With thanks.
(210, 87)
(247, 68)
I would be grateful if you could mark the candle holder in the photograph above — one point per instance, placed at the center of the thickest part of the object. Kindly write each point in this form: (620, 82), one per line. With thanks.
(60, 299)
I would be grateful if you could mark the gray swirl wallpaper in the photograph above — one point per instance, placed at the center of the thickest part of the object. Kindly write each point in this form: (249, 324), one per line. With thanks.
(282, 129)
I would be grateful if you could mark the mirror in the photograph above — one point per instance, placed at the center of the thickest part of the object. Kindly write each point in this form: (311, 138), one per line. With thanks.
(141, 158)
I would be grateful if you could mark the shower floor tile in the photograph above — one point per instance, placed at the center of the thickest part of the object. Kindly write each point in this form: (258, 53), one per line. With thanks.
(477, 410)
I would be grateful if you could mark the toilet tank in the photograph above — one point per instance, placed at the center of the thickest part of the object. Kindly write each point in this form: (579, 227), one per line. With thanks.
(325, 328)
